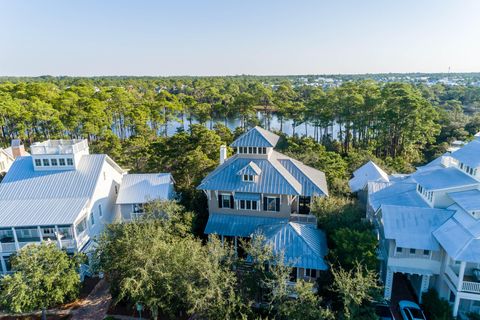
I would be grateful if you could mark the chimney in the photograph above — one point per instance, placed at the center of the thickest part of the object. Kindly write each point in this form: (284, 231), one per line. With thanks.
(223, 154)
(18, 149)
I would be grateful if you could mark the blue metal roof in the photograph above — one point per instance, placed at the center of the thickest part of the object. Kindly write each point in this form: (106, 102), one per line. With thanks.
(469, 154)
(313, 181)
(256, 137)
(251, 169)
(443, 178)
(303, 245)
(274, 178)
(237, 225)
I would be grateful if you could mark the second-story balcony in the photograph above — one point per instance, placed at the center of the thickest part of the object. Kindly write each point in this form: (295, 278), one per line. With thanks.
(464, 276)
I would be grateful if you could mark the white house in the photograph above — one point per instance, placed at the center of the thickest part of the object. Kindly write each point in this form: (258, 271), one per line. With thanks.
(429, 228)
(61, 193)
(138, 189)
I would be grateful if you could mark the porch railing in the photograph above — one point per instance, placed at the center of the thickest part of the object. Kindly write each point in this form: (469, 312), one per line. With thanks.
(471, 286)
(303, 218)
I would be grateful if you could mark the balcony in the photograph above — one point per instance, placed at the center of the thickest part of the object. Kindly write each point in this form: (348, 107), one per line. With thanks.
(8, 247)
(469, 282)
(303, 218)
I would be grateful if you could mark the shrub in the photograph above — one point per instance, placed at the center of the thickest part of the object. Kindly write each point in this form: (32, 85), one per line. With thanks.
(436, 308)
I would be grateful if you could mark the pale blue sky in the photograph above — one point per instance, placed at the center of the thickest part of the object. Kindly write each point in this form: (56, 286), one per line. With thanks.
(228, 37)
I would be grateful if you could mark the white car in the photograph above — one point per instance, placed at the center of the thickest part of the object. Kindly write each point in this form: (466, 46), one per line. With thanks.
(410, 311)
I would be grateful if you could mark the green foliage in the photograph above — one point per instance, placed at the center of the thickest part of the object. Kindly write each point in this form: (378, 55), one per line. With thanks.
(436, 308)
(44, 276)
(353, 246)
(156, 261)
(355, 289)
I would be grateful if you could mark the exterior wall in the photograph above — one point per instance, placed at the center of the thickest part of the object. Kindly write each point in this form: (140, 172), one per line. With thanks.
(442, 200)
(125, 211)
(285, 209)
(105, 195)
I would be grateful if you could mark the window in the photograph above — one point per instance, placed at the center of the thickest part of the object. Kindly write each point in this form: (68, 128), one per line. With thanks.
(92, 218)
(250, 150)
(248, 205)
(138, 208)
(116, 189)
(426, 252)
(399, 249)
(412, 251)
(225, 201)
(271, 204)
(100, 213)
(312, 273)
(264, 150)
(54, 162)
(61, 161)
(81, 226)
(46, 163)
(38, 162)
(293, 275)
(248, 177)
(70, 161)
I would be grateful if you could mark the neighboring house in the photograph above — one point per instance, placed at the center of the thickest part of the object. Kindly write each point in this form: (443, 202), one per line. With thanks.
(369, 172)
(429, 228)
(259, 190)
(8, 155)
(138, 189)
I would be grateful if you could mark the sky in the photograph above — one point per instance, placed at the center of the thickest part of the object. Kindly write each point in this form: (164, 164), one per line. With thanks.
(231, 37)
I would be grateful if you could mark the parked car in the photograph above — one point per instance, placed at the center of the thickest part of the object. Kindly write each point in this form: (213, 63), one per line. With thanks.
(410, 311)
(383, 311)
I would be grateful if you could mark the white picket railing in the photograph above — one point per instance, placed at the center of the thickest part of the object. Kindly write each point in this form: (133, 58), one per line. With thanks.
(471, 286)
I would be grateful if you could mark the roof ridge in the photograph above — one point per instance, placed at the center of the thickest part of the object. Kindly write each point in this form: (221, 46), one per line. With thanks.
(275, 163)
(295, 162)
(294, 225)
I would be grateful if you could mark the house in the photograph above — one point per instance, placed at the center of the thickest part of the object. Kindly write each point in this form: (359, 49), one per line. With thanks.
(428, 224)
(62, 193)
(259, 190)
(8, 155)
(138, 189)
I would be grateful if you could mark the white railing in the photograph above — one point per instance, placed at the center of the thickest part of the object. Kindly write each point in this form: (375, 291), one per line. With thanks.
(59, 147)
(8, 247)
(451, 274)
(68, 243)
(23, 244)
(303, 218)
(471, 286)
(407, 254)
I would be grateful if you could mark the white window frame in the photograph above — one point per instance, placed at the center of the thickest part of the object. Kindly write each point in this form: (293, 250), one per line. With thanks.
(248, 178)
(239, 205)
(275, 203)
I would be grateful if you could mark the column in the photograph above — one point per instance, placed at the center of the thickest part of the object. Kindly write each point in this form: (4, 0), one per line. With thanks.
(4, 265)
(456, 304)
(388, 285)
(39, 233)
(17, 245)
(58, 236)
(461, 273)
(424, 286)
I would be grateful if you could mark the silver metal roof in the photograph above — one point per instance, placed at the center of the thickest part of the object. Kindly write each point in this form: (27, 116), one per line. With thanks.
(237, 225)
(469, 154)
(368, 172)
(412, 227)
(402, 193)
(141, 188)
(443, 178)
(30, 197)
(256, 137)
(468, 200)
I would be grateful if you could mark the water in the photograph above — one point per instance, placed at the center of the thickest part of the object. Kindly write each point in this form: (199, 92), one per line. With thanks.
(233, 123)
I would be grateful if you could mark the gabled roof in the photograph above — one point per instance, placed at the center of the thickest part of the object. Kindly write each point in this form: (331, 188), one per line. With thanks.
(469, 154)
(256, 137)
(141, 188)
(47, 196)
(443, 178)
(368, 172)
(412, 227)
(237, 225)
(468, 200)
(303, 245)
(250, 169)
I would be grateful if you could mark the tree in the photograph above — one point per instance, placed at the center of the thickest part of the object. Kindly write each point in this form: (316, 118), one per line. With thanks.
(355, 288)
(156, 261)
(352, 246)
(306, 306)
(436, 308)
(44, 276)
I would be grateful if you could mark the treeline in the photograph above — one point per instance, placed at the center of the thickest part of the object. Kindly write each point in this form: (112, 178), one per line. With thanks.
(389, 119)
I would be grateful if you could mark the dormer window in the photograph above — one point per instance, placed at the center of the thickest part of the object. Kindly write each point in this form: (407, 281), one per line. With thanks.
(46, 163)
(70, 161)
(62, 162)
(248, 178)
(252, 150)
(54, 162)
(38, 162)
